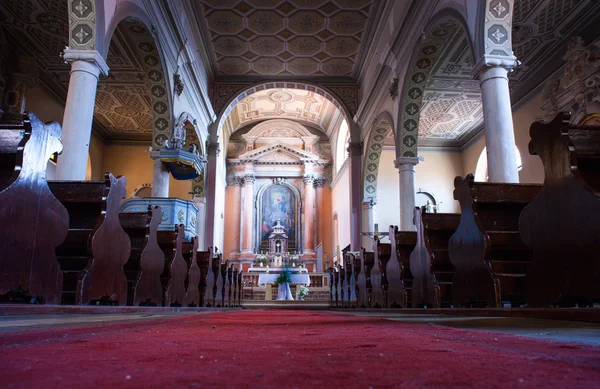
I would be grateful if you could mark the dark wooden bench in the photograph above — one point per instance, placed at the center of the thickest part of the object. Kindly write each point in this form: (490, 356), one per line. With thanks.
(33, 221)
(399, 276)
(240, 277)
(332, 289)
(561, 225)
(202, 259)
(146, 260)
(350, 277)
(192, 283)
(374, 266)
(212, 291)
(96, 248)
(437, 230)
(175, 269)
(220, 283)
(486, 250)
(209, 295)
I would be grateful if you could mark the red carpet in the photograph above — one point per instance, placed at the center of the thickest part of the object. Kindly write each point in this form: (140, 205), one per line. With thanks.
(288, 349)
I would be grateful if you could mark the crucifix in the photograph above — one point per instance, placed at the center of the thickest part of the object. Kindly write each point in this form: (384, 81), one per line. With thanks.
(375, 233)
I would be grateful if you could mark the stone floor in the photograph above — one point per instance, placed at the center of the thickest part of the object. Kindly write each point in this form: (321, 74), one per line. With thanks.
(561, 330)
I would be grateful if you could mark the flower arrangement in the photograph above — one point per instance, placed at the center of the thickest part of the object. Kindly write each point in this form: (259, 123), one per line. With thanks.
(284, 277)
(261, 260)
(302, 290)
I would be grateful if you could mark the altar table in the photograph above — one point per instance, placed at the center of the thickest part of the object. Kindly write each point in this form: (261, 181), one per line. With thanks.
(269, 278)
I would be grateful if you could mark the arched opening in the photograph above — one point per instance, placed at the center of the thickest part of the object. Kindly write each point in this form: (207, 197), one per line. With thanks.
(481, 170)
(441, 103)
(343, 139)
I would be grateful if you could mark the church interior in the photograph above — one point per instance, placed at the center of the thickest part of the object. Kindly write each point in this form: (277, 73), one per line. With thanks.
(289, 193)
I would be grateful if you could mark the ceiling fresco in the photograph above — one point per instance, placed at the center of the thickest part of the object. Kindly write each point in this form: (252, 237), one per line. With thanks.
(303, 106)
(452, 99)
(284, 37)
(123, 110)
(452, 112)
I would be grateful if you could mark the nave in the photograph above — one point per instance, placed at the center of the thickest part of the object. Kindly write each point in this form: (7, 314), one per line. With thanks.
(296, 348)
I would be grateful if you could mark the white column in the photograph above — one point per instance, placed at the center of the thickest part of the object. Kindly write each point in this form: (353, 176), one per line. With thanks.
(368, 221)
(355, 151)
(498, 123)
(86, 67)
(406, 168)
(309, 214)
(247, 247)
(200, 202)
(160, 180)
(212, 151)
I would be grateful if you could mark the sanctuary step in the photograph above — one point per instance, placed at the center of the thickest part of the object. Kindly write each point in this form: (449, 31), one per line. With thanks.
(257, 304)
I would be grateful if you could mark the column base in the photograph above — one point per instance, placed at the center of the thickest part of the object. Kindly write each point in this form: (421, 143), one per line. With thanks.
(247, 255)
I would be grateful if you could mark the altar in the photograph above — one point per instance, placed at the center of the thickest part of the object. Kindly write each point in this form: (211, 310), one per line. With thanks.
(297, 278)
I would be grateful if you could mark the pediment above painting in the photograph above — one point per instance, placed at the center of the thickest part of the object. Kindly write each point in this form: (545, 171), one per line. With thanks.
(278, 153)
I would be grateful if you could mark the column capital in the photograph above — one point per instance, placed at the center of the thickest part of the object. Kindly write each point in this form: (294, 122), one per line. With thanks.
(319, 182)
(249, 179)
(90, 56)
(355, 148)
(212, 148)
(369, 202)
(406, 163)
(308, 179)
(490, 61)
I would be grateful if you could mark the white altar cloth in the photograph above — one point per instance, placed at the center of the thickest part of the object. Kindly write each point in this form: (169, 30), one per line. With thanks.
(269, 278)
(284, 292)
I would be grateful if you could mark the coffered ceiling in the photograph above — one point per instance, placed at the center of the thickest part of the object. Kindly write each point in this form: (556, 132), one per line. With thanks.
(316, 38)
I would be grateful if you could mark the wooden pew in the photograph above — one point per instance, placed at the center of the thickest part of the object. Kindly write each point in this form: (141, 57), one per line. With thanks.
(192, 291)
(175, 270)
(227, 286)
(146, 259)
(96, 248)
(424, 282)
(220, 283)
(28, 212)
(397, 270)
(332, 288)
(362, 297)
(202, 258)
(561, 224)
(342, 287)
(437, 230)
(240, 278)
(377, 298)
(351, 279)
(486, 250)
(209, 297)
(234, 287)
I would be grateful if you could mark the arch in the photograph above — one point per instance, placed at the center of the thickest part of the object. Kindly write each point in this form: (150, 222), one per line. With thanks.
(154, 65)
(299, 207)
(382, 125)
(493, 33)
(426, 53)
(142, 191)
(303, 85)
